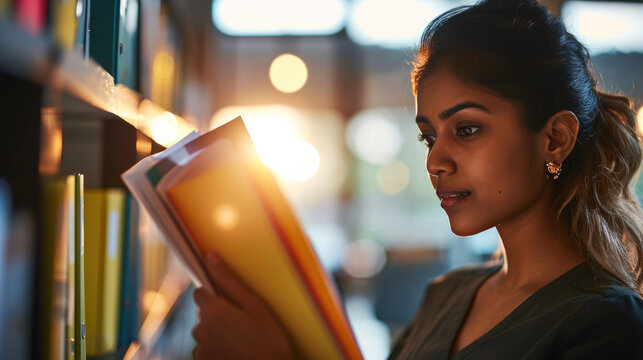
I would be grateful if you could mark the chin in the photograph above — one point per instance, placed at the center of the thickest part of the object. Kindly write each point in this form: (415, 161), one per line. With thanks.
(467, 229)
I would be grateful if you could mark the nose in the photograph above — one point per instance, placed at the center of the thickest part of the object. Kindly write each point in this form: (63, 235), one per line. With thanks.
(439, 160)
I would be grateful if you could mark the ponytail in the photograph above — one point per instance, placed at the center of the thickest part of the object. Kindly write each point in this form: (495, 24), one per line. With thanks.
(597, 200)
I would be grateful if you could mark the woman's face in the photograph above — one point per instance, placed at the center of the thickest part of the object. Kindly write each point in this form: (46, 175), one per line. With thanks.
(481, 159)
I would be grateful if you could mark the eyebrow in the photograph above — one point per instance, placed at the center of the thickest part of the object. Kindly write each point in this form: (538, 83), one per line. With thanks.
(452, 110)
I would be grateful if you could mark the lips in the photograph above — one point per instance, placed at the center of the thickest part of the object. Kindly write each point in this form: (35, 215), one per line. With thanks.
(449, 198)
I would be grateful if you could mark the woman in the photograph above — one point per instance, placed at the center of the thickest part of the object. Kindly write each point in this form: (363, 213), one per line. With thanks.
(520, 138)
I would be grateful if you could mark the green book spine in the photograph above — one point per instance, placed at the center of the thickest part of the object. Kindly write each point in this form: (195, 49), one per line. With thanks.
(79, 254)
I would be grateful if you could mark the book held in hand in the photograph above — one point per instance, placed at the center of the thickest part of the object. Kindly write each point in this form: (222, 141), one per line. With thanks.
(212, 193)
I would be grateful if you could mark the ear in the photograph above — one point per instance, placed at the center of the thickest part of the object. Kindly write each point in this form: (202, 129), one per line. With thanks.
(560, 134)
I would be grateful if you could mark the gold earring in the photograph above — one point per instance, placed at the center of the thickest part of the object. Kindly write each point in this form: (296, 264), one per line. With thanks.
(554, 169)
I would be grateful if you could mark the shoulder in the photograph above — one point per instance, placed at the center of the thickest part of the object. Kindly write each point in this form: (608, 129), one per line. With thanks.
(594, 296)
(603, 324)
(612, 306)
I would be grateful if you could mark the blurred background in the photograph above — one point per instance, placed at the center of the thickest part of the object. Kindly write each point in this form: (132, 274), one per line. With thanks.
(324, 88)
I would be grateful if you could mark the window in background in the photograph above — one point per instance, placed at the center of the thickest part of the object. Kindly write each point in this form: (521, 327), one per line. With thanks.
(278, 17)
(605, 26)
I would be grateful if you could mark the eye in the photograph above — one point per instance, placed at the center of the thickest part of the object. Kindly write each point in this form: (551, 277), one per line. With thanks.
(427, 139)
(466, 131)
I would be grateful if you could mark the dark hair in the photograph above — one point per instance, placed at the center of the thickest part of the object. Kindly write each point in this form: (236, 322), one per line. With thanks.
(522, 52)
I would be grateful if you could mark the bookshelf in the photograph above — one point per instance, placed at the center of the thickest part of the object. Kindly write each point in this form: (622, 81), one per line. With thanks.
(64, 114)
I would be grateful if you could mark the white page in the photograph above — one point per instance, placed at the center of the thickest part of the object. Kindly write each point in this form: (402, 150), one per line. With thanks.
(141, 188)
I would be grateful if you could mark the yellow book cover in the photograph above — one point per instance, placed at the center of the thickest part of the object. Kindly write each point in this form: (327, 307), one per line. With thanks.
(103, 234)
(94, 205)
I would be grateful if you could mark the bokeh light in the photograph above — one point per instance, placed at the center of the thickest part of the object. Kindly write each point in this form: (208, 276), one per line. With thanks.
(288, 73)
(278, 17)
(162, 82)
(373, 136)
(295, 160)
(393, 177)
(391, 24)
(605, 26)
(277, 134)
(164, 129)
(363, 258)
(225, 216)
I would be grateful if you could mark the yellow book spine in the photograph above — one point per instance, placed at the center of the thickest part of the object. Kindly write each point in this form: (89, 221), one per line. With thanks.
(94, 239)
(104, 220)
(65, 23)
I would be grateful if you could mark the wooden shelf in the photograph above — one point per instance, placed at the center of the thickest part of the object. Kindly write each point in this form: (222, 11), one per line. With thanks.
(36, 59)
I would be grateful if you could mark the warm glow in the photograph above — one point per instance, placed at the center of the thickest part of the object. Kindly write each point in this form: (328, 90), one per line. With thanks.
(598, 25)
(277, 133)
(303, 148)
(373, 136)
(163, 79)
(143, 145)
(225, 216)
(288, 73)
(162, 126)
(51, 141)
(391, 23)
(164, 129)
(263, 122)
(278, 17)
(296, 160)
(639, 118)
(605, 26)
(392, 178)
(154, 302)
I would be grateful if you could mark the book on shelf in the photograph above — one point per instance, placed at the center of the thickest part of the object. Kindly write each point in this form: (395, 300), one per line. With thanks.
(77, 273)
(211, 193)
(104, 217)
(61, 294)
(128, 322)
(54, 303)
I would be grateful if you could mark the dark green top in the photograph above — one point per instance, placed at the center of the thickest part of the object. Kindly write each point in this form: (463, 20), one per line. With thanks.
(582, 314)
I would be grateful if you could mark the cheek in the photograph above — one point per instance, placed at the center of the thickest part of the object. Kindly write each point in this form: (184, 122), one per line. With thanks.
(504, 181)
(509, 174)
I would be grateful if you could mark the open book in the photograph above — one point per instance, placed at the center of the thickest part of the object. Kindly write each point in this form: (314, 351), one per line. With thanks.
(211, 192)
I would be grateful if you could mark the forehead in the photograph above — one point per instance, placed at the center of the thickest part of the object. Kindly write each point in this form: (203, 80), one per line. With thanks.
(441, 90)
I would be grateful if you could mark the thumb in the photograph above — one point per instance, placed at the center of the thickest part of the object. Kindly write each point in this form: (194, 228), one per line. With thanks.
(230, 286)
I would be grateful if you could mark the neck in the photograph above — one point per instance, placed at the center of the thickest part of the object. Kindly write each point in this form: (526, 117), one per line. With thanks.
(535, 251)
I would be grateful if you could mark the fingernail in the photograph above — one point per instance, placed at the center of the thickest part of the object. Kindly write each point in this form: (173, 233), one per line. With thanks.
(214, 258)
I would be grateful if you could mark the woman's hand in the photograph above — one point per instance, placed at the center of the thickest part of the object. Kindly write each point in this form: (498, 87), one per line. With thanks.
(235, 323)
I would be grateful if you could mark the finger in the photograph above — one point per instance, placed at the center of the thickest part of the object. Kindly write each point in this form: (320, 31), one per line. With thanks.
(230, 286)
(202, 297)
